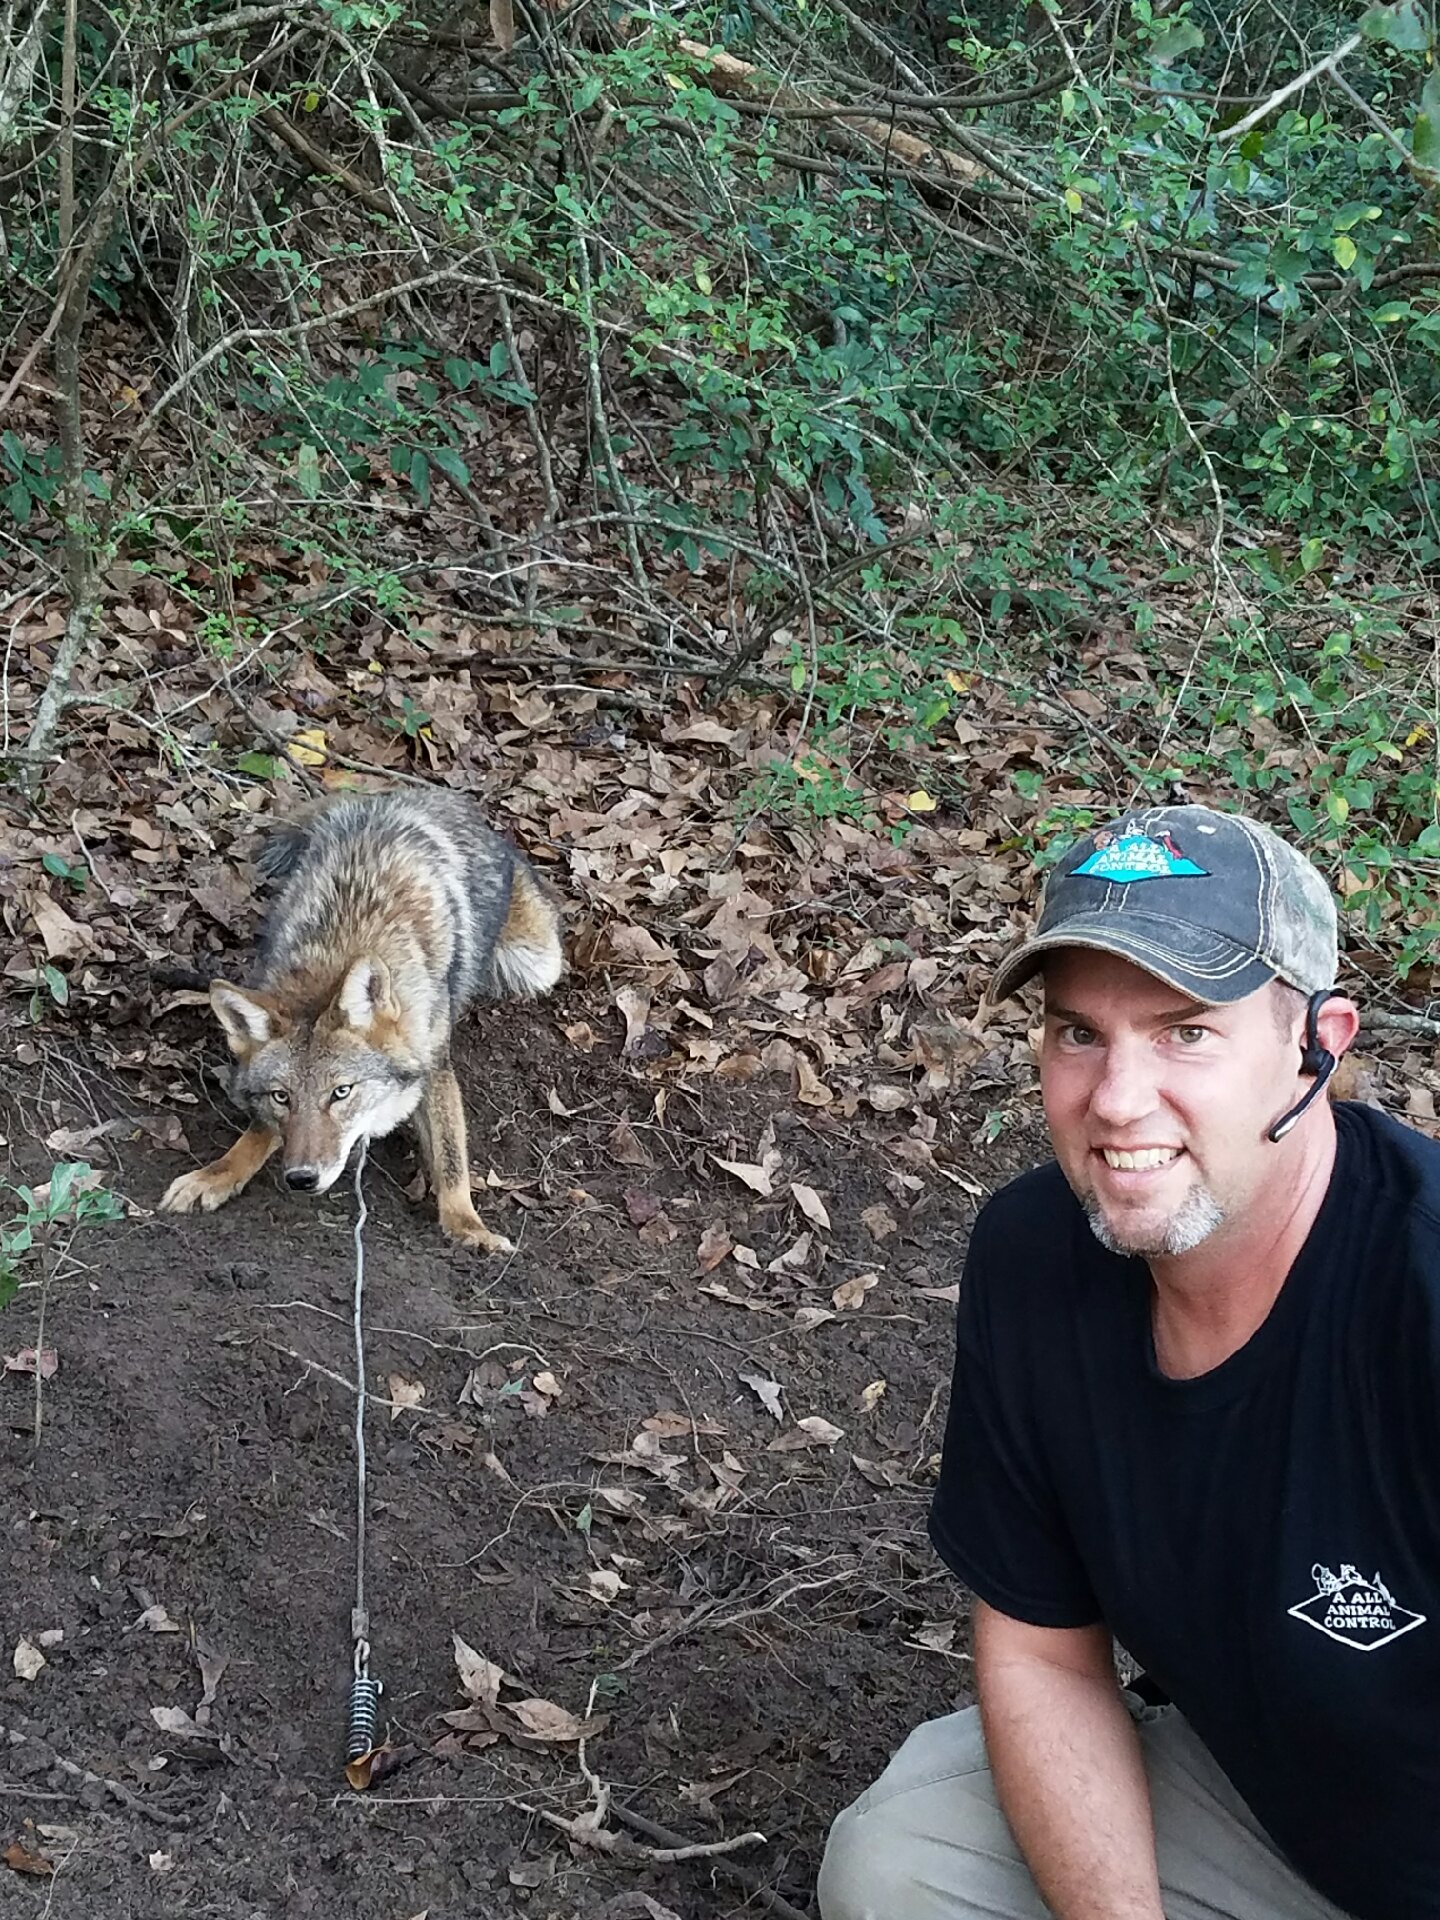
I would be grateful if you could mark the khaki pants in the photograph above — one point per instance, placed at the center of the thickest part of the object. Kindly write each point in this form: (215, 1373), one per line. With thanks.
(928, 1841)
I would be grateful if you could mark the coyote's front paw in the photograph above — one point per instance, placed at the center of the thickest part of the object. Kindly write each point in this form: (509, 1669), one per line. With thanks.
(204, 1190)
(471, 1231)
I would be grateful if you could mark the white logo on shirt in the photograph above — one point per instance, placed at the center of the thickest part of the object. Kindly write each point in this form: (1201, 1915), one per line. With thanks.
(1355, 1611)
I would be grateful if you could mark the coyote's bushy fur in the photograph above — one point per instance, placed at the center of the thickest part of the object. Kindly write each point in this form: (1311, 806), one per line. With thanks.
(396, 911)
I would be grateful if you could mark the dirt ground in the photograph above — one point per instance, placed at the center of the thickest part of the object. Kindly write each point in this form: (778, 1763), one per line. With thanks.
(752, 1600)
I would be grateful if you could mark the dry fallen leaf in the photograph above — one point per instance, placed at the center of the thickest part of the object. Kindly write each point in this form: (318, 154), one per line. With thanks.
(626, 1147)
(873, 1395)
(604, 1583)
(634, 1004)
(715, 1243)
(28, 1659)
(793, 1257)
(64, 938)
(810, 1204)
(851, 1293)
(307, 747)
(547, 1384)
(160, 1862)
(20, 1860)
(938, 1635)
(808, 1318)
(404, 1394)
(546, 1721)
(879, 1222)
(766, 1391)
(157, 1620)
(175, 1720)
(479, 1678)
(757, 1178)
(885, 1099)
(27, 1361)
(810, 1432)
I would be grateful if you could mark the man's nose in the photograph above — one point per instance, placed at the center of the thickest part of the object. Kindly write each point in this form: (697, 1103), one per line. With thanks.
(302, 1179)
(1126, 1090)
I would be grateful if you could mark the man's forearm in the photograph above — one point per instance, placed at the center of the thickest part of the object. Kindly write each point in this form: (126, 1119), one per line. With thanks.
(1068, 1768)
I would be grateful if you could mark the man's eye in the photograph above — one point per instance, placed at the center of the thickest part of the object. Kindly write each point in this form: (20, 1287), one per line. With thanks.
(1191, 1036)
(280, 1096)
(1079, 1036)
(341, 1093)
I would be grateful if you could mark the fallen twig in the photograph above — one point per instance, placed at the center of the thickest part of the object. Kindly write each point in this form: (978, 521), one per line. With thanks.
(137, 1803)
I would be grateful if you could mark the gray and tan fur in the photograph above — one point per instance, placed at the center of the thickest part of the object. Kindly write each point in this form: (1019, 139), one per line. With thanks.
(396, 911)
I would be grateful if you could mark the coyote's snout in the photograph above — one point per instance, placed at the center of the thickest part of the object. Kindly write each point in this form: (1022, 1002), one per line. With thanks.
(396, 912)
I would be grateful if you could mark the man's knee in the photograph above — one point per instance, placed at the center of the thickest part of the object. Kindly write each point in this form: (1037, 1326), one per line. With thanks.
(928, 1841)
(862, 1876)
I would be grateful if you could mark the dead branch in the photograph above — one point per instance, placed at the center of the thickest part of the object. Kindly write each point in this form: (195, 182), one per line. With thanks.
(137, 1803)
(19, 71)
(1282, 94)
(729, 75)
(773, 1902)
(240, 21)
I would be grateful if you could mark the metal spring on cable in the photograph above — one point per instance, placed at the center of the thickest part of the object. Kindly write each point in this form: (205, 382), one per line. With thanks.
(364, 1713)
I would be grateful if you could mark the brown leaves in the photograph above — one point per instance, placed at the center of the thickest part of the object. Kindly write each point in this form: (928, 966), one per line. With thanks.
(20, 1859)
(758, 1176)
(528, 1722)
(63, 938)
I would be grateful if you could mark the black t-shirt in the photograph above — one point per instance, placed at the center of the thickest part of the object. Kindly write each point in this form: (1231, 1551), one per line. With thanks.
(1264, 1539)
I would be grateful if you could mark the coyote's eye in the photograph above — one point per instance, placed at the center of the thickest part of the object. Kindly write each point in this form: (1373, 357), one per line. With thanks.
(280, 1096)
(341, 1093)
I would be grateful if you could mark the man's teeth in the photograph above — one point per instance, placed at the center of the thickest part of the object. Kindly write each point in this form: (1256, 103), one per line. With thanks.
(1142, 1159)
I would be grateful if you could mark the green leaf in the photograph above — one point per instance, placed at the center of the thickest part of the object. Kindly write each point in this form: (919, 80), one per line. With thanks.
(261, 766)
(62, 1186)
(1401, 26)
(1392, 311)
(451, 465)
(17, 501)
(799, 674)
(1338, 808)
(1073, 200)
(1345, 251)
(1183, 37)
(307, 470)
(420, 476)
(499, 360)
(459, 373)
(9, 1284)
(57, 983)
(1425, 141)
(53, 863)
(13, 448)
(1312, 552)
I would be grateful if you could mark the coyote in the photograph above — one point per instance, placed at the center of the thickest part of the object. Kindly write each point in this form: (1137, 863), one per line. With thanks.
(396, 911)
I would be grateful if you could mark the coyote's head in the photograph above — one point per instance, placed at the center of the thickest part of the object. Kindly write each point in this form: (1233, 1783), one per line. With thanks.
(321, 1081)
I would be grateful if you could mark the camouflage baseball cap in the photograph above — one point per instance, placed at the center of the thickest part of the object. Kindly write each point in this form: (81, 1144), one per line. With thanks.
(1212, 903)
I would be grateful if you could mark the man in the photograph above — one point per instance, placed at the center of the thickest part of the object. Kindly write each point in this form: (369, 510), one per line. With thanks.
(1195, 1410)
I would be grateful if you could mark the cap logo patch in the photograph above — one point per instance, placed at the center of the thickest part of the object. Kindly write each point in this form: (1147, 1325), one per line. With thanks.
(1128, 854)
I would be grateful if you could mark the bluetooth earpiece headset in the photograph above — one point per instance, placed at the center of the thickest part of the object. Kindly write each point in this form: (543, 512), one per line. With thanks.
(1313, 1059)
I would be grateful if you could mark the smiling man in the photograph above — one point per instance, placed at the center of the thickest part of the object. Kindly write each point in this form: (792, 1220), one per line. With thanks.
(1194, 1410)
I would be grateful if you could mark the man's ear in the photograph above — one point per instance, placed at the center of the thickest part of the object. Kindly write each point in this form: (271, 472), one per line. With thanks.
(248, 1020)
(1337, 1025)
(364, 994)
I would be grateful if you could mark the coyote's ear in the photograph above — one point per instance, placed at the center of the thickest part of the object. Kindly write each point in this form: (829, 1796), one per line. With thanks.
(364, 993)
(247, 1020)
